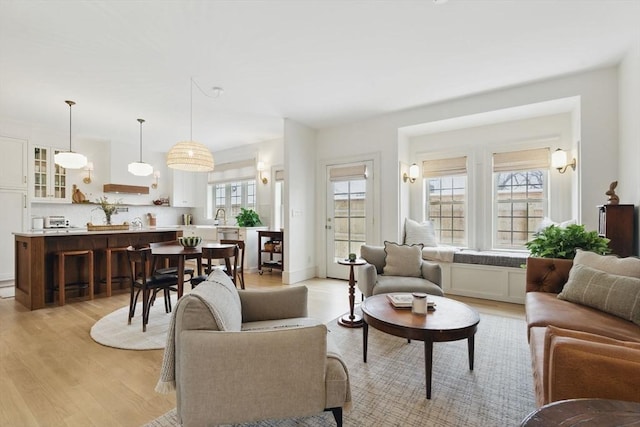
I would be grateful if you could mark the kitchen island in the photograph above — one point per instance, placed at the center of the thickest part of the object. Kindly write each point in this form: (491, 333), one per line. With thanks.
(35, 256)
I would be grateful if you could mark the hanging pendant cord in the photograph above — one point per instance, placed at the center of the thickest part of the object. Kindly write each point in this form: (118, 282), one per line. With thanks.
(191, 112)
(141, 121)
(70, 103)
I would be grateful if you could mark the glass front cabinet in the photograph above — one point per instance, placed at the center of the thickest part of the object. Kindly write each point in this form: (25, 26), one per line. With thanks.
(49, 180)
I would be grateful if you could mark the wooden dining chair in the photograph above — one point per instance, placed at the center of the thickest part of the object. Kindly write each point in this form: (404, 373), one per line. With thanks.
(240, 269)
(143, 279)
(209, 254)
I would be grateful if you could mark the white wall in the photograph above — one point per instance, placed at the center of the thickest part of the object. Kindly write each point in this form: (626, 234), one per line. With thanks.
(629, 173)
(599, 132)
(300, 209)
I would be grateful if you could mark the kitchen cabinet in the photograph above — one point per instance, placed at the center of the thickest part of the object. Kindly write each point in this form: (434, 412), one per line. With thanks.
(184, 189)
(49, 182)
(13, 163)
(13, 199)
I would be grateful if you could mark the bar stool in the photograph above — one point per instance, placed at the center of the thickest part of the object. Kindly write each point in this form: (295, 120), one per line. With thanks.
(62, 255)
(109, 252)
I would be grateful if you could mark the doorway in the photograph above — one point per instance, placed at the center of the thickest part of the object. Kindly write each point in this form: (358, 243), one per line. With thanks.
(349, 219)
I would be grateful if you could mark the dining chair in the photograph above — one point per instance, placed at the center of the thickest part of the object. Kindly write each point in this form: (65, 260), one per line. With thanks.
(240, 268)
(143, 279)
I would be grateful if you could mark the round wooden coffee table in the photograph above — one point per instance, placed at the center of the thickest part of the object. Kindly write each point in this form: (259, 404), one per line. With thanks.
(450, 321)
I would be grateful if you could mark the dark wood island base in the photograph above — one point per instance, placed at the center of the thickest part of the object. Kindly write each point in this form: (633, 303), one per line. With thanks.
(35, 257)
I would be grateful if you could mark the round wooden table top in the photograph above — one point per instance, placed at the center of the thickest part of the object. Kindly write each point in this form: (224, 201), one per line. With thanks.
(450, 320)
(358, 261)
(585, 413)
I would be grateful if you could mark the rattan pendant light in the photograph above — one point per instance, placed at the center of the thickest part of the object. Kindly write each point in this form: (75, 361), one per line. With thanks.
(140, 168)
(190, 155)
(70, 159)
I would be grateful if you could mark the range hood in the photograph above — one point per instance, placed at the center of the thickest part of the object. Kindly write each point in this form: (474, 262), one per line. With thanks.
(128, 189)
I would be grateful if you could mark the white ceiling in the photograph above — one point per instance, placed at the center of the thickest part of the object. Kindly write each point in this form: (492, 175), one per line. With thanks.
(321, 63)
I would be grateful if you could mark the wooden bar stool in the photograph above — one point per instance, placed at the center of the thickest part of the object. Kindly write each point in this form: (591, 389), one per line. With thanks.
(109, 252)
(62, 255)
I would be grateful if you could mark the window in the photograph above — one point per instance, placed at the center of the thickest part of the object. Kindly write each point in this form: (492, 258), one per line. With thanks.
(520, 196)
(231, 196)
(231, 186)
(446, 198)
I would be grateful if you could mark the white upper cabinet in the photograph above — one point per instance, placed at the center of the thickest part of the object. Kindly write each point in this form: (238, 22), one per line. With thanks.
(13, 165)
(49, 181)
(184, 189)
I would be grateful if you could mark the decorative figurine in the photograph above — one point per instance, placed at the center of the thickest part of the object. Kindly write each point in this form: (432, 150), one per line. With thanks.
(613, 198)
(77, 195)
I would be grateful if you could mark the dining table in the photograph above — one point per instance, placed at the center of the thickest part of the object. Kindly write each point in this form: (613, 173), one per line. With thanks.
(177, 255)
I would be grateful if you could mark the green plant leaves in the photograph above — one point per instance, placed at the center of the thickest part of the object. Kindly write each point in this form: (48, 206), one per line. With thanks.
(248, 218)
(556, 242)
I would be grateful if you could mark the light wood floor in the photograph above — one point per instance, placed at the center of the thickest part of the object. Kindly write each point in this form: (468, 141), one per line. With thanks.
(53, 374)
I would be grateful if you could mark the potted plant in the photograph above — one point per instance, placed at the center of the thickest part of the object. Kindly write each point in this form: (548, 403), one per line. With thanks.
(560, 244)
(248, 218)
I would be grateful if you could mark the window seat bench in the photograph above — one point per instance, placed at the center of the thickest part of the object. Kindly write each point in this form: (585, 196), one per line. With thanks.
(493, 275)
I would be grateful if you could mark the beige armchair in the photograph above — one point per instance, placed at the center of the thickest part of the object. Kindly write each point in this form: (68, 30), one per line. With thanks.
(409, 274)
(243, 356)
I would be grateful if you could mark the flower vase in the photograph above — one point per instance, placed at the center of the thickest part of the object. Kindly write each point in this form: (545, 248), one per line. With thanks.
(108, 218)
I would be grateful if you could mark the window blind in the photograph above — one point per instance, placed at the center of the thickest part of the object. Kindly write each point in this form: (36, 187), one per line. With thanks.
(345, 173)
(233, 171)
(444, 167)
(537, 158)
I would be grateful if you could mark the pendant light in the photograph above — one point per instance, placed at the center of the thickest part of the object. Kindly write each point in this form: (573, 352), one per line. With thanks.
(140, 168)
(190, 155)
(69, 159)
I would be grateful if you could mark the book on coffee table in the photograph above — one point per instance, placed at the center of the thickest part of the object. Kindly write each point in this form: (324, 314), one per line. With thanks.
(405, 301)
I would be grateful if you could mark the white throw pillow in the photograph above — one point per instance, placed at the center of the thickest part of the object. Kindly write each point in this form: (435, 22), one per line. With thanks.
(419, 233)
(403, 260)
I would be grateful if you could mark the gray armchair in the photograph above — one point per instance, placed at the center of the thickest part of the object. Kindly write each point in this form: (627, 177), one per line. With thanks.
(243, 356)
(373, 281)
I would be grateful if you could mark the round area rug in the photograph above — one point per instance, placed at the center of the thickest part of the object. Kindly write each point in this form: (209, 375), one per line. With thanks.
(113, 330)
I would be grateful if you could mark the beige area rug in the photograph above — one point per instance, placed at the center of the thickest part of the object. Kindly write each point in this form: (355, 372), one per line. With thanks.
(113, 330)
(389, 390)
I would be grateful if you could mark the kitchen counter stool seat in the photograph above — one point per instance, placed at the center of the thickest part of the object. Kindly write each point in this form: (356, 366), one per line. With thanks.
(62, 284)
(109, 277)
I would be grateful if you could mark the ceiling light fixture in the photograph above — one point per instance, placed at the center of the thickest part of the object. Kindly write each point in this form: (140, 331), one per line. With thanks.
(69, 159)
(190, 155)
(140, 168)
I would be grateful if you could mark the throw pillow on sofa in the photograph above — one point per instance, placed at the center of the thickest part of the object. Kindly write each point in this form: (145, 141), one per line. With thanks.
(416, 233)
(403, 260)
(609, 263)
(611, 293)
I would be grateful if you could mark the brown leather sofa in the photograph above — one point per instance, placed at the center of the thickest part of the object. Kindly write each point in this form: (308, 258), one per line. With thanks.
(577, 351)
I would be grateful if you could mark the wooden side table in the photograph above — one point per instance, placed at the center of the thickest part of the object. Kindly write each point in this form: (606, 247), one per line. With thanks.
(351, 320)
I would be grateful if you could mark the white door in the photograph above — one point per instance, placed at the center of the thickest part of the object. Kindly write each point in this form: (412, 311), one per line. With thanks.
(349, 213)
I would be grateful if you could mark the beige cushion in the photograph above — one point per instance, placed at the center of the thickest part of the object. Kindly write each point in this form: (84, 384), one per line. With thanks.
(609, 263)
(403, 260)
(611, 293)
(416, 233)
(222, 299)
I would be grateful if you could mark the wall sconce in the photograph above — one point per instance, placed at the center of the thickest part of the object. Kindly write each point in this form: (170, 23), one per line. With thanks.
(156, 175)
(88, 168)
(260, 168)
(559, 161)
(414, 172)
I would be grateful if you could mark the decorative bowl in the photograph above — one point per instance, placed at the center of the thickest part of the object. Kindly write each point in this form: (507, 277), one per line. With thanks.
(157, 202)
(190, 241)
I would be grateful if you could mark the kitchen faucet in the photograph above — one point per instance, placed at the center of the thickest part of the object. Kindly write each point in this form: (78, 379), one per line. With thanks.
(224, 216)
